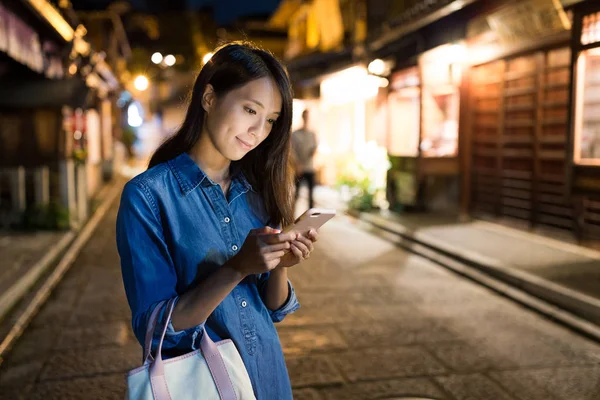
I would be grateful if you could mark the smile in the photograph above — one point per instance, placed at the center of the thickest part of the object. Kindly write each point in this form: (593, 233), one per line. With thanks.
(245, 145)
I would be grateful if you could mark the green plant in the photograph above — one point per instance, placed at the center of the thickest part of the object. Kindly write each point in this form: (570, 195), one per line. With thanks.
(46, 217)
(363, 176)
(80, 156)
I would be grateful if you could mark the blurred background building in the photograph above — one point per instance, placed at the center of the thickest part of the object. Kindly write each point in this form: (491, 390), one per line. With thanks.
(466, 107)
(484, 108)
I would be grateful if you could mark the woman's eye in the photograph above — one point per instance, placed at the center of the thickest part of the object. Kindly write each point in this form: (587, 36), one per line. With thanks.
(271, 121)
(250, 111)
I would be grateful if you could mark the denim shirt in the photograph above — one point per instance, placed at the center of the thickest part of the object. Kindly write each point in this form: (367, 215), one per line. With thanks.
(174, 228)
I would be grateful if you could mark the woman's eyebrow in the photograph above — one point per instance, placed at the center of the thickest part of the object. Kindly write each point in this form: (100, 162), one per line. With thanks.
(261, 105)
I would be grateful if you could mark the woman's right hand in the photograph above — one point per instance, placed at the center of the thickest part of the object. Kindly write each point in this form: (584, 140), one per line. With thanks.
(262, 251)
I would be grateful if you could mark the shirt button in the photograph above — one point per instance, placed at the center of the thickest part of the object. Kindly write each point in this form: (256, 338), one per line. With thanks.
(234, 247)
(244, 304)
(227, 220)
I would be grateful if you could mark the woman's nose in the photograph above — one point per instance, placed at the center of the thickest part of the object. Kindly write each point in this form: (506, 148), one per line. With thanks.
(257, 129)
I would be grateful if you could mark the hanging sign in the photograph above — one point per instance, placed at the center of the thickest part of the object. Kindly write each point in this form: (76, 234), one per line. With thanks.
(20, 41)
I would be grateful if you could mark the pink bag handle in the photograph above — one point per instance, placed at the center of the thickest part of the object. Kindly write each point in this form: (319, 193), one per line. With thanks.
(152, 321)
(209, 349)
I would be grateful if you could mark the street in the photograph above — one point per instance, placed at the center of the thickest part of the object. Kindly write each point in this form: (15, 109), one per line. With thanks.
(376, 323)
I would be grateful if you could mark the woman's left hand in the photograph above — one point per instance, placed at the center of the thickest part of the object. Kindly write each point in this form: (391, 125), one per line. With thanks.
(300, 249)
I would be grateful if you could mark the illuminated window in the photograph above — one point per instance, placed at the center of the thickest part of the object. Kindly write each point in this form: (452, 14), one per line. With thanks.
(587, 117)
(591, 29)
(404, 102)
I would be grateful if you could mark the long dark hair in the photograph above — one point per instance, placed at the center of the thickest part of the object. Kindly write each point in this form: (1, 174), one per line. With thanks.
(267, 167)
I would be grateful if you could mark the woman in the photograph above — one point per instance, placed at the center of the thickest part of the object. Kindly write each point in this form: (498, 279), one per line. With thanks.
(200, 224)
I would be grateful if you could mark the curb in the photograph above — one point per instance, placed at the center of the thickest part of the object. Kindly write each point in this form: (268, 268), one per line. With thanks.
(566, 306)
(75, 242)
(16, 292)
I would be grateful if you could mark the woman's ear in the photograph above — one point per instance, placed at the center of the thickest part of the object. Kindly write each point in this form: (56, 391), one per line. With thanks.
(208, 98)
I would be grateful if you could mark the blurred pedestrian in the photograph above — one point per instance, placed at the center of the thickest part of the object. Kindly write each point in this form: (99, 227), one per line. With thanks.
(201, 225)
(304, 146)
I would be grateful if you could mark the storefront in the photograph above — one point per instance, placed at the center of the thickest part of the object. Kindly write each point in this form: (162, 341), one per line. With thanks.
(586, 118)
(340, 117)
(55, 115)
(517, 121)
(424, 110)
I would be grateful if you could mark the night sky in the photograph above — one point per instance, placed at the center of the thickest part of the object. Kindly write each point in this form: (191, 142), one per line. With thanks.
(225, 11)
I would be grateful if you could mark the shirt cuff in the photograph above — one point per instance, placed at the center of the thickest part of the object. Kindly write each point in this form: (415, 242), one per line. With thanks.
(289, 307)
(173, 337)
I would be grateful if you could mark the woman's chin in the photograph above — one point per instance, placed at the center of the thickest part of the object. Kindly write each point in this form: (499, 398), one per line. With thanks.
(236, 155)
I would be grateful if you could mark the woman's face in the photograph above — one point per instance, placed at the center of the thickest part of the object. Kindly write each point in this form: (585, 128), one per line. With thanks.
(240, 120)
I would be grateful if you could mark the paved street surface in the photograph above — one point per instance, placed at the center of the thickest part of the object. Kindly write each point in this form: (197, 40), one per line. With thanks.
(20, 250)
(375, 323)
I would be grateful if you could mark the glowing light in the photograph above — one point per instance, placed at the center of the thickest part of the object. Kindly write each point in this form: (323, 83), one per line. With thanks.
(351, 84)
(170, 60)
(156, 58)
(207, 57)
(134, 118)
(141, 83)
(377, 67)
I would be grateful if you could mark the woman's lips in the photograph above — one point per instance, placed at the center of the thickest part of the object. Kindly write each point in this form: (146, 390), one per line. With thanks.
(244, 144)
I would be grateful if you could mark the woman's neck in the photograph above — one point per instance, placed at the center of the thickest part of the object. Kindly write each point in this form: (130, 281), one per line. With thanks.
(210, 160)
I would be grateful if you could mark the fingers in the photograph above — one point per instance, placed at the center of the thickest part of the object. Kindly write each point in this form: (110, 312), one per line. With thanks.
(313, 235)
(304, 250)
(297, 252)
(308, 244)
(274, 256)
(275, 247)
(271, 265)
(278, 238)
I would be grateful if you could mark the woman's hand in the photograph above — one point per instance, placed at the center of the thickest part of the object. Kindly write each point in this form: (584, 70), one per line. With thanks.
(300, 249)
(262, 251)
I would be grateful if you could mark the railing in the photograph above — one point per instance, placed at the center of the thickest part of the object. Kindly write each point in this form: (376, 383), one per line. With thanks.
(30, 193)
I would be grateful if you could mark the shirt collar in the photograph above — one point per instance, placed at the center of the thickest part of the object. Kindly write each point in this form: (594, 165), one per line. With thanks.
(190, 176)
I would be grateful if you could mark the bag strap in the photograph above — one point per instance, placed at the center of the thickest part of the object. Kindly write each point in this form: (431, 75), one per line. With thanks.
(216, 365)
(211, 354)
(152, 321)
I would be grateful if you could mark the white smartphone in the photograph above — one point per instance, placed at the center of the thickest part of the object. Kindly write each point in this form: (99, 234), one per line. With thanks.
(313, 218)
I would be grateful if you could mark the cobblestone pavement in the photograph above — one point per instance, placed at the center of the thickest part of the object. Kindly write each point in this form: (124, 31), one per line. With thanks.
(375, 323)
(19, 251)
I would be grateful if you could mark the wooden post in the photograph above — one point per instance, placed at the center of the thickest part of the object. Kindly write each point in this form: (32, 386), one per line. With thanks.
(500, 138)
(465, 142)
(67, 188)
(42, 185)
(82, 197)
(17, 189)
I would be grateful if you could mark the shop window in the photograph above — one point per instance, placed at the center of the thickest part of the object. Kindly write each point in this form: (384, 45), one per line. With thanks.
(404, 102)
(590, 32)
(442, 72)
(587, 114)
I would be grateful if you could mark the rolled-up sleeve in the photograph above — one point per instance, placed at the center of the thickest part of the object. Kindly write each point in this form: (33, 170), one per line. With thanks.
(288, 307)
(149, 274)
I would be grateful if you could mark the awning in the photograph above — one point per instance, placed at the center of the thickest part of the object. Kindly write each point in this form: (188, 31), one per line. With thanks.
(306, 69)
(44, 93)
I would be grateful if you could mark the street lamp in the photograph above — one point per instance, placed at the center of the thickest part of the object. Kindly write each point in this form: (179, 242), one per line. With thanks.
(141, 83)
(157, 58)
(170, 60)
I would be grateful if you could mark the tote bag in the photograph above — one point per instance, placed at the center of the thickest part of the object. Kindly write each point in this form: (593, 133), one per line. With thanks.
(213, 372)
